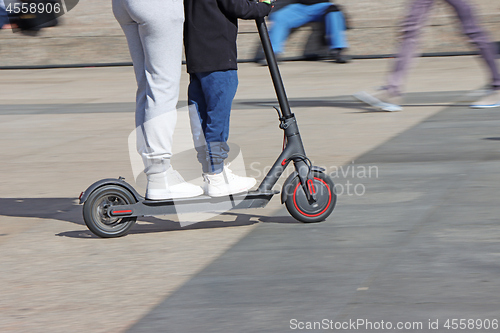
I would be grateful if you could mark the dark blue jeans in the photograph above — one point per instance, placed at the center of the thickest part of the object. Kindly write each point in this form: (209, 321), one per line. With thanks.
(211, 94)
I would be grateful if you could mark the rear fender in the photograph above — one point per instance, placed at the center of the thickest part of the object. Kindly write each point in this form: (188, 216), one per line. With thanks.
(109, 181)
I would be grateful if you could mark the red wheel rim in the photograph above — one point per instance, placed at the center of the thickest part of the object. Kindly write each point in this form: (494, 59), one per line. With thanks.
(312, 215)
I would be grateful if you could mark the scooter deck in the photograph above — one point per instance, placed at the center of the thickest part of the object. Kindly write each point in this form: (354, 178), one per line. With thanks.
(203, 203)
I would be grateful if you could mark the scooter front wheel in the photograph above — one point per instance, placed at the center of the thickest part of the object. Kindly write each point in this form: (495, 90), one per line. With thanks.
(97, 207)
(309, 211)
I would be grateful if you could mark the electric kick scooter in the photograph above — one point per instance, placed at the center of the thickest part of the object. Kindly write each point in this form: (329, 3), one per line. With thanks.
(111, 206)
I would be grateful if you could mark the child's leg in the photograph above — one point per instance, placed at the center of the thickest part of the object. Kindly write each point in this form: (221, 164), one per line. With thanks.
(212, 94)
(198, 118)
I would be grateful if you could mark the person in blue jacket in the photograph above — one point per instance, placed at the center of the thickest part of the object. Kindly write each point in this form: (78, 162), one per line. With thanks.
(300, 12)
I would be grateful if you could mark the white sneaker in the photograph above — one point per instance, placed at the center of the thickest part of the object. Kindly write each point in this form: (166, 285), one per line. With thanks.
(170, 185)
(381, 99)
(491, 100)
(226, 182)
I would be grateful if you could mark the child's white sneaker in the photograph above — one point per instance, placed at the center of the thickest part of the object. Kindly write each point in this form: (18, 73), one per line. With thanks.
(226, 182)
(170, 185)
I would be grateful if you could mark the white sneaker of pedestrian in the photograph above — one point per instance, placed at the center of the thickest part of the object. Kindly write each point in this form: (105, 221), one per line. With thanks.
(490, 100)
(226, 182)
(380, 99)
(170, 185)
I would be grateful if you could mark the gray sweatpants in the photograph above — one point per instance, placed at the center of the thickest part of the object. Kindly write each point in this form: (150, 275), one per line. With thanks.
(419, 11)
(154, 31)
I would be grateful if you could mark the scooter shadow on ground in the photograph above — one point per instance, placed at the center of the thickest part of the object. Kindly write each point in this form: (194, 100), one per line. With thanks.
(152, 224)
(68, 210)
(63, 209)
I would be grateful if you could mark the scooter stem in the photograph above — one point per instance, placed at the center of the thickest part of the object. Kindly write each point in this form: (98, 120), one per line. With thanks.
(273, 67)
(294, 150)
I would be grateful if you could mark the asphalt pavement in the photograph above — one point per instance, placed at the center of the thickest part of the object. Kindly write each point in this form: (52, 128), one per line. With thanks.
(411, 246)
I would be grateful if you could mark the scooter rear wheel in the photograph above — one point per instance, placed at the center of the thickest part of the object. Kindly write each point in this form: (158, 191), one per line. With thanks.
(96, 211)
(307, 211)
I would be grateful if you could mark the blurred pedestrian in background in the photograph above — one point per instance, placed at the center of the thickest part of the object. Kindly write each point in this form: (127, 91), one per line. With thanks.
(4, 18)
(154, 30)
(30, 16)
(296, 13)
(387, 97)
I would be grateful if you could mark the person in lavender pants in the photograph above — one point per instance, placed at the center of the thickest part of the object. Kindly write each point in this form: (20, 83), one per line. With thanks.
(386, 97)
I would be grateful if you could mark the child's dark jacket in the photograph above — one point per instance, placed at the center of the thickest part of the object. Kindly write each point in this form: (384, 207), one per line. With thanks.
(210, 31)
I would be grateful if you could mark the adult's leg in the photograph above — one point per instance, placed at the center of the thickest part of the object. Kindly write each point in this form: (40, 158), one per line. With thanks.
(154, 32)
(284, 20)
(419, 10)
(477, 35)
(131, 30)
